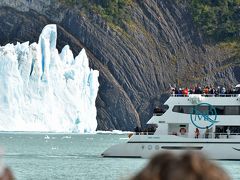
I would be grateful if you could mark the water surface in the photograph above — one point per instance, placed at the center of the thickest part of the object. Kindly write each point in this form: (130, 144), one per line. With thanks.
(72, 156)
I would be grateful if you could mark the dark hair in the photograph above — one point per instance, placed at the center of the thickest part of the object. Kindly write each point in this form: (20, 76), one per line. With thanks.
(188, 166)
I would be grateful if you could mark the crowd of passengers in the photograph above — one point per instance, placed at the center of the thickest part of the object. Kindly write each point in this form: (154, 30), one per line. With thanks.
(207, 90)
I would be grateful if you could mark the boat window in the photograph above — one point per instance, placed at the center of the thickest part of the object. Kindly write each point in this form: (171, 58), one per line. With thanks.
(182, 126)
(220, 110)
(234, 130)
(231, 110)
(183, 109)
(158, 111)
(228, 110)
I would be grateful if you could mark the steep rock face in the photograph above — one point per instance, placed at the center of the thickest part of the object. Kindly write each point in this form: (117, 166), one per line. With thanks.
(158, 47)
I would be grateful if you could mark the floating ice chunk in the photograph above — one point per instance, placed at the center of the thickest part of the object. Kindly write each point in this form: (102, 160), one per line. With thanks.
(66, 137)
(46, 137)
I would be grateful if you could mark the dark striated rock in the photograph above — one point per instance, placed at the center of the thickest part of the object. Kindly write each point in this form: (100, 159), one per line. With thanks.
(158, 47)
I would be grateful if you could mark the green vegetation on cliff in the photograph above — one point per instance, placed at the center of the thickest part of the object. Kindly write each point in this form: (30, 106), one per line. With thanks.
(114, 11)
(217, 19)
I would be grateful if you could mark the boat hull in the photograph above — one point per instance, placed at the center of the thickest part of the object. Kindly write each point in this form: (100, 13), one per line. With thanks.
(139, 147)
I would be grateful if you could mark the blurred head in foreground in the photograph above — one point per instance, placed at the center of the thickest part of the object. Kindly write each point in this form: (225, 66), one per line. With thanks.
(5, 172)
(188, 166)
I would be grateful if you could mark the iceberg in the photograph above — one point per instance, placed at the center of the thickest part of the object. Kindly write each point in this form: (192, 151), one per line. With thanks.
(42, 90)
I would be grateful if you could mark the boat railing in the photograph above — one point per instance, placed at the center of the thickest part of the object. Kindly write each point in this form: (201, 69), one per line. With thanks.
(201, 136)
(206, 95)
(224, 135)
(144, 133)
(209, 136)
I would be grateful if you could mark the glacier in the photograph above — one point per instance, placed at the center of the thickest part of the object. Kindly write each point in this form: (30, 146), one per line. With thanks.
(42, 90)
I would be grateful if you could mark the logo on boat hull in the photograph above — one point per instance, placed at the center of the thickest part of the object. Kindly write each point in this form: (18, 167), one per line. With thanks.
(203, 115)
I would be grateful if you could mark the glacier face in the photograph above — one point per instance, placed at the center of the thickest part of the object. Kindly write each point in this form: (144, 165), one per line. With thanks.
(42, 90)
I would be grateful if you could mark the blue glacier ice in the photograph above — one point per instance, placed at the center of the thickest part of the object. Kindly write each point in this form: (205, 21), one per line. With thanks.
(42, 90)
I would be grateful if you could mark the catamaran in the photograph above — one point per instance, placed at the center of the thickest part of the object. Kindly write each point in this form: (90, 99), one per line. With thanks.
(206, 123)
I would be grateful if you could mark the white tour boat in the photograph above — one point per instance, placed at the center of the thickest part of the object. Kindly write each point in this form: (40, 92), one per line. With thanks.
(216, 117)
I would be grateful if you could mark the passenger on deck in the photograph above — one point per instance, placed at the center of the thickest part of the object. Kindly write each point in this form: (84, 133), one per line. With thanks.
(185, 92)
(223, 90)
(191, 91)
(197, 133)
(180, 91)
(176, 91)
(238, 90)
(197, 90)
(207, 132)
(217, 92)
(228, 132)
(206, 90)
(172, 90)
(212, 90)
(217, 132)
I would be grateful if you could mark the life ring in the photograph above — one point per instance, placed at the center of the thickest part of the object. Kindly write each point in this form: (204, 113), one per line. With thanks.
(183, 131)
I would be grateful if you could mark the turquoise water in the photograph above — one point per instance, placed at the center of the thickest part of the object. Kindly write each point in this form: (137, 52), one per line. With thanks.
(71, 156)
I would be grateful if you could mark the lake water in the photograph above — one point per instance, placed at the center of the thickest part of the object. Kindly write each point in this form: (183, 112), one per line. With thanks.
(72, 156)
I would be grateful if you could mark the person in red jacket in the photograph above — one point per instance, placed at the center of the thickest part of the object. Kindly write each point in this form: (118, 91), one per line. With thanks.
(185, 92)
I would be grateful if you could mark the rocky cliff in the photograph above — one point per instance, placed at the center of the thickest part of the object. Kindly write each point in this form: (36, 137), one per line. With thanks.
(157, 47)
